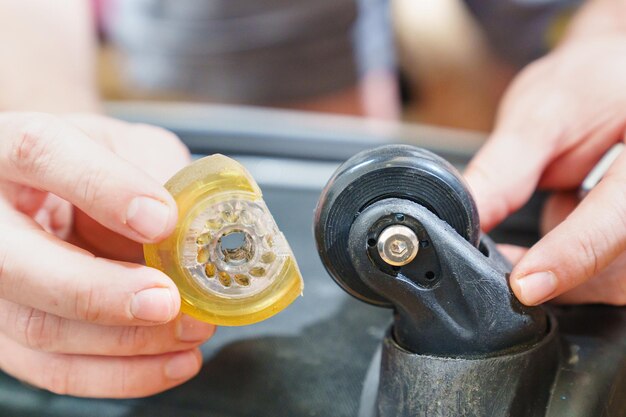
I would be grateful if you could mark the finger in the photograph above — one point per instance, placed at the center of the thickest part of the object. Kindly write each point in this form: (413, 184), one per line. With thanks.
(530, 133)
(607, 287)
(578, 248)
(54, 216)
(25, 199)
(104, 242)
(38, 330)
(10, 216)
(99, 376)
(504, 174)
(569, 169)
(159, 152)
(45, 153)
(43, 272)
(33, 209)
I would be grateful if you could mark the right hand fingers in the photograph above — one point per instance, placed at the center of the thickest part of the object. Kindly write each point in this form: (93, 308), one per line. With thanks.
(551, 128)
(507, 169)
(578, 248)
(607, 286)
(46, 153)
(38, 330)
(99, 376)
(40, 271)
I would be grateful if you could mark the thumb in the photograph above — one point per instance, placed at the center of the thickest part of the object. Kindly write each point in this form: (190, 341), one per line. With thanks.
(581, 246)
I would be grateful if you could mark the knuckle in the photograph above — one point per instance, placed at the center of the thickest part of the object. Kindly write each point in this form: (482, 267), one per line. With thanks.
(587, 259)
(87, 305)
(134, 338)
(38, 329)
(90, 186)
(32, 146)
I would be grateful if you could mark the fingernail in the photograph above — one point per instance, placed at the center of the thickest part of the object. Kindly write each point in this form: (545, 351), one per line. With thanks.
(182, 366)
(153, 304)
(537, 287)
(189, 329)
(147, 216)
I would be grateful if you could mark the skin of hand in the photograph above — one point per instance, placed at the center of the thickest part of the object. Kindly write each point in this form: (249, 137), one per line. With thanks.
(559, 117)
(78, 314)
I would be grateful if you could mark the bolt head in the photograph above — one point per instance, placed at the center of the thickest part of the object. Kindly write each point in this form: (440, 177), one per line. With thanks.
(397, 245)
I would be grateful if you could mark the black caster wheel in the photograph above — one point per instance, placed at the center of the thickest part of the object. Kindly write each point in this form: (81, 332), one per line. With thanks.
(396, 226)
(397, 171)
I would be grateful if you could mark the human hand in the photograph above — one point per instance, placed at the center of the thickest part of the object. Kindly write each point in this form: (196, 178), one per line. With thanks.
(559, 117)
(71, 322)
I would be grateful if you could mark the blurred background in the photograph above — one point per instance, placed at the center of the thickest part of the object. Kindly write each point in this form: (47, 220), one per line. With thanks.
(425, 61)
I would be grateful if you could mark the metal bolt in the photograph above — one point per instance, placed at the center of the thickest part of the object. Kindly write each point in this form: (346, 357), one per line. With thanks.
(397, 245)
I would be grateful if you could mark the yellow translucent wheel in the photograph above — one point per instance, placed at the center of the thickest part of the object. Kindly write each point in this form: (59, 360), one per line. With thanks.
(230, 262)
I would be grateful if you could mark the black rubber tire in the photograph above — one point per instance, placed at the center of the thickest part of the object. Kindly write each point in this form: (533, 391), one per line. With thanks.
(391, 171)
